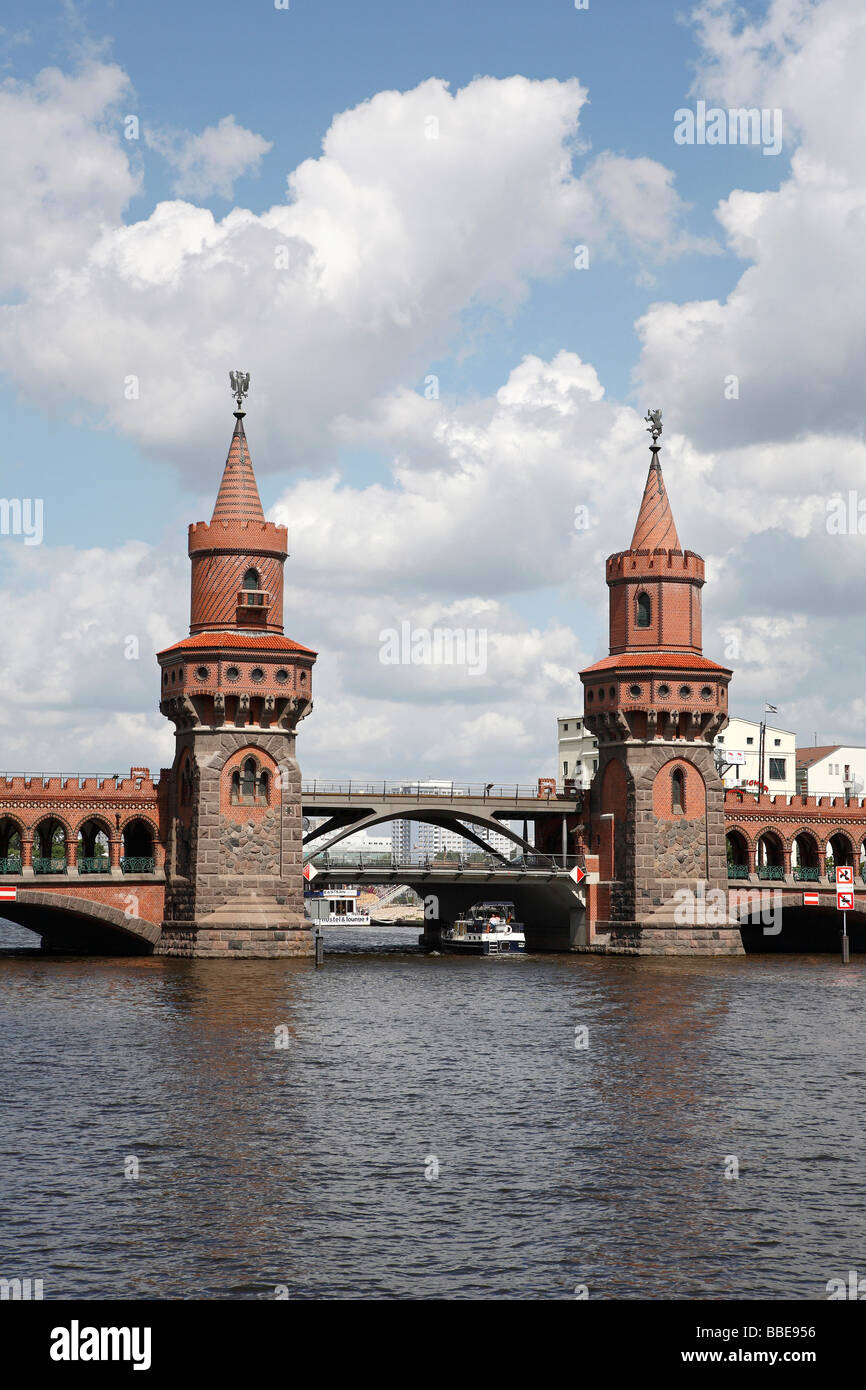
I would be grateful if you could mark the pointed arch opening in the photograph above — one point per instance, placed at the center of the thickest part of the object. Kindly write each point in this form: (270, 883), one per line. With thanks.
(678, 791)
(643, 609)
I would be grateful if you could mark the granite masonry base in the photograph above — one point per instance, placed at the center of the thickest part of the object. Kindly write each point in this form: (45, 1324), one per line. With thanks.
(636, 939)
(248, 927)
(191, 939)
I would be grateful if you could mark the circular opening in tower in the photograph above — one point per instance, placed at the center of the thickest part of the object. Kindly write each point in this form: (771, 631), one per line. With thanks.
(706, 692)
(664, 691)
(282, 676)
(634, 691)
(685, 692)
(257, 674)
(232, 673)
(201, 673)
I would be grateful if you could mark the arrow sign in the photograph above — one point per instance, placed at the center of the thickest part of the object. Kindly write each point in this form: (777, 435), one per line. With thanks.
(310, 872)
(810, 899)
(844, 900)
(844, 875)
(8, 894)
(577, 874)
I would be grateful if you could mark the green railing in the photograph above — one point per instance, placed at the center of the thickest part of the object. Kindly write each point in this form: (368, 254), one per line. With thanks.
(771, 871)
(138, 864)
(93, 866)
(48, 866)
(12, 865)
(806, 873)
(738, 871)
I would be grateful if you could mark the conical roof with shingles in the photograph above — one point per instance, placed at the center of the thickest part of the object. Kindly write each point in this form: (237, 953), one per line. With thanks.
(238, 498)
(655, 528)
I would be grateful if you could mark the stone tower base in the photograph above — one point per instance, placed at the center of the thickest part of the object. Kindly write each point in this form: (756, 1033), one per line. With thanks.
(637, 939)
(258, 928)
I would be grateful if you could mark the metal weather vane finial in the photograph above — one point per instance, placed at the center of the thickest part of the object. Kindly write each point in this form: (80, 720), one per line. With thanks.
(654, 426)
(240, 384)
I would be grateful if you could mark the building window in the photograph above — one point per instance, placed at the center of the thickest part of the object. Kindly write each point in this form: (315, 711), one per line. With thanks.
(565, 728)
(750, 740)
(664, 691)
(249, 787)
(643, 611)
(777, 743)
(678, 792)
(777, 769)
(251, 580)
(565, 769)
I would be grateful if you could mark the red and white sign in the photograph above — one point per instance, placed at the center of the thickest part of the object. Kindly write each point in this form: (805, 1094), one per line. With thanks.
(844, 875)
(736, 757)
(577, 874)
(810, 899)
(844, 900)
(8, 895)
(310, 872)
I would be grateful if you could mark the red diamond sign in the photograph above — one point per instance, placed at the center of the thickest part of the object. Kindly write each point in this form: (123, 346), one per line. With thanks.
(310, 872)
(577, 874)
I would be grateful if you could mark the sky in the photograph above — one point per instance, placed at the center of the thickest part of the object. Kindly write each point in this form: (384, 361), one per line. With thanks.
(461, 250)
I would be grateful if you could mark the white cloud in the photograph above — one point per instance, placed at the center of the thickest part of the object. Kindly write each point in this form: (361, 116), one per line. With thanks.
(793, 329)
(339, 296)
(210, 163)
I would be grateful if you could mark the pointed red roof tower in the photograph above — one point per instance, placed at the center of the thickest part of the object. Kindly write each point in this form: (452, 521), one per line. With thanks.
(656, 680)
(235, 689)
(655, 810)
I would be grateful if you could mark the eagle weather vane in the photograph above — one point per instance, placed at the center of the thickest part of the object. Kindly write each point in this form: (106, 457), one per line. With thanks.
(240, 384)
(654, 425)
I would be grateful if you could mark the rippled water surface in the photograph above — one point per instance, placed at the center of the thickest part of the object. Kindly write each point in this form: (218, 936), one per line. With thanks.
(304, 1166)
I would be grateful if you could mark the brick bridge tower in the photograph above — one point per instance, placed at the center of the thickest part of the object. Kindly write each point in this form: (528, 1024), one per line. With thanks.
(235, 690)
(656, 805)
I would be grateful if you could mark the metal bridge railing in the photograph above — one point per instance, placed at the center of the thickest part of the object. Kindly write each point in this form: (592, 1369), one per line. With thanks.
(460, 863)
(452, 791)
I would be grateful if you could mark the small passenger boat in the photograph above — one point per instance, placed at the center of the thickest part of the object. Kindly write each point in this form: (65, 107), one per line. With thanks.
(487, 929)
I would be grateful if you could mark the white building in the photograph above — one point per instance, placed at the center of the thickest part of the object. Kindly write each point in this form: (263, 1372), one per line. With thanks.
(834, 769)
(577, 753)
(737, 752)
(736, 748)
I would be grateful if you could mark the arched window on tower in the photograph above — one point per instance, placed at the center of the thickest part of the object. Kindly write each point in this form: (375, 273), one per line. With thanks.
(264, 788)
(644, 610)
(248, 782)
(251, 580)
(236, 787)
(678, 792)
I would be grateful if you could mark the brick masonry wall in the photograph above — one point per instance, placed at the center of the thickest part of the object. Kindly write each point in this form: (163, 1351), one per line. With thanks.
(144, 900)
(218, 870)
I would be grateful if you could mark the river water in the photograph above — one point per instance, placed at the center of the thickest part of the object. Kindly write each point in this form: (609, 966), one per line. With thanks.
(430, 1129)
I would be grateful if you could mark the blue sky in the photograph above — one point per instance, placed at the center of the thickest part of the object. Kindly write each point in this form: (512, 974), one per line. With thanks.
(330, 417)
